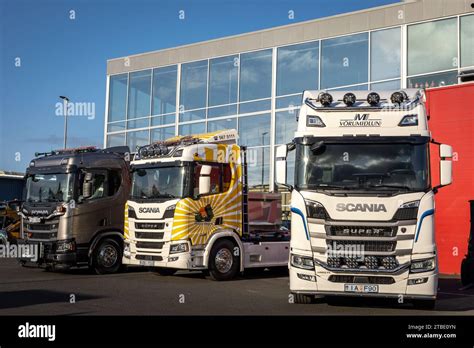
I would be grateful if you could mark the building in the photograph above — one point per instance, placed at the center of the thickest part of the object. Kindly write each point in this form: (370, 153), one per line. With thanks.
(253, 81)
(11, 186)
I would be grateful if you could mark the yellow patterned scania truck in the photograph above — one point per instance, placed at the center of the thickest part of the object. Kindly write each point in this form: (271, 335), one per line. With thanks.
(190, 209)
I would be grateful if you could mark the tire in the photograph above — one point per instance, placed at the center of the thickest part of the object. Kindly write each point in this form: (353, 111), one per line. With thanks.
(107, 257)
(302, 298)
(424, 304)
(467, 272)
(223, 263)
(164, 272)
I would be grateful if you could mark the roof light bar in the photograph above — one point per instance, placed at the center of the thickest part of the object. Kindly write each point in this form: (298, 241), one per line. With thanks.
(325, 99)
(398, 97)
(349, 99)
(373, 98)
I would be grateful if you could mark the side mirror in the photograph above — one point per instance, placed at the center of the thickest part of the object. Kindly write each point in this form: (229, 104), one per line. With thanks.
(87, 186)
(205, 180)
(280, 165)
(446, 165)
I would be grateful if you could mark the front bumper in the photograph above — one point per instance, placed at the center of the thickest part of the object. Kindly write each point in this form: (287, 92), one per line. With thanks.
(48, 256)
(400, 288)
(185, 260)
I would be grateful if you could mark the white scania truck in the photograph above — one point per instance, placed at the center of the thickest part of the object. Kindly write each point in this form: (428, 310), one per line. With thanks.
(362, 203)
(190, 209)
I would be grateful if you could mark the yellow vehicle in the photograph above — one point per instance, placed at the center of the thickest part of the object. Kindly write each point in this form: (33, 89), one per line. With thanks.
(10, 220)
(190, 209)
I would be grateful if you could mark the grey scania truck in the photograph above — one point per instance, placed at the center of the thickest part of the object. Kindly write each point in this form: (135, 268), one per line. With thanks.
(73, 208)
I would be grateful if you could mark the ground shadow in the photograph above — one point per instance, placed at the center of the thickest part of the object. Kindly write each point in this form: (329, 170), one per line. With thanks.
(248, 274)
(450, 298)
(24, 298)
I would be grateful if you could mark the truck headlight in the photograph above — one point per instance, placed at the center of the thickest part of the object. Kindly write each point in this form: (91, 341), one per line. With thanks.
(179, 248)
(316, 210)
(409, 120)
(65, 245)
(303, 262)
(126, 250)
(131, 213)
(407, 211)
(423, 265)
(169, 212)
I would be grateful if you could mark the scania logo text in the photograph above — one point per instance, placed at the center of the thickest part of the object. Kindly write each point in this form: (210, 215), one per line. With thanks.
(148, 210)
(39, 212)
(361, 207)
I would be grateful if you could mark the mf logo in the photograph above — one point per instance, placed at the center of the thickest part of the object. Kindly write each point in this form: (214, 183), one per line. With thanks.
(361, 117)
(360, 120)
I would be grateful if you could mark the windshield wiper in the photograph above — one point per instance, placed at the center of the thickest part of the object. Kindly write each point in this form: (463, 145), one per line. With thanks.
(399, 187)
(332, 186)
(165, 195)
(140, 197)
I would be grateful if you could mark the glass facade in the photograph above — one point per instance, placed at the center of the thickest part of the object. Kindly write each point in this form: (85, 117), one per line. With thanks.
(432, 46)
(467, 41)
(344, 60)
(246, 91)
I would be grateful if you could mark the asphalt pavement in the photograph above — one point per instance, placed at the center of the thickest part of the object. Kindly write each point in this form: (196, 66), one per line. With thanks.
(35, 291)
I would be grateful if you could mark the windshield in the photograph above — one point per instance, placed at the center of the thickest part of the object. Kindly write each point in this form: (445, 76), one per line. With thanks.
(160, 182)
(49, 188)
(362, 166)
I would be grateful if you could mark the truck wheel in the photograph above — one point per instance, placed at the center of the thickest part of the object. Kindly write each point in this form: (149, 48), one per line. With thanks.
(224, 263)
(424, 304)
(467, 272)
(164, 272)
(302, 298)
(107, 257)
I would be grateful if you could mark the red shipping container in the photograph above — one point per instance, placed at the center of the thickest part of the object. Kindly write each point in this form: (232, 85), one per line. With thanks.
(451, 121)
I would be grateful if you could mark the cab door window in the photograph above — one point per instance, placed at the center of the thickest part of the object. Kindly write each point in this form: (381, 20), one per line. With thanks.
(93, 185)
(220, 177)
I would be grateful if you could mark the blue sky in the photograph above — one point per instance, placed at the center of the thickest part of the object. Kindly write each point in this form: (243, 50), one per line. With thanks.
(61, 56)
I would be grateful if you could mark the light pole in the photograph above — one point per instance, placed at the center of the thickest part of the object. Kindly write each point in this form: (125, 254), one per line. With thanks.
(263, 157)
(65, 100)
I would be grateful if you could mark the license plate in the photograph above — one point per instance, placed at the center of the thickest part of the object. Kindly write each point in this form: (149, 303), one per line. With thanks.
(34, 219)
(146, 263)
(361, 288)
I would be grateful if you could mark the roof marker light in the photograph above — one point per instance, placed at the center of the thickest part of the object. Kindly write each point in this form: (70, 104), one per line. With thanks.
(373, 98)
(325, 99)
(349, 99)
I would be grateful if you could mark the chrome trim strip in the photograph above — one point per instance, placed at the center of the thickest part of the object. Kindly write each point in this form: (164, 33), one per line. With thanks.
(362, 238)
(362, 223)
(399, 252)
(400, 269)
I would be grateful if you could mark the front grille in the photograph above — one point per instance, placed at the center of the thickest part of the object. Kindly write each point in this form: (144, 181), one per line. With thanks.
(368, 263)
(149, 245)
(361, 280)
(149, 235)
(42, 236)
(38, 227)
(362, 246)
(149, 257)
(361, 231)
(149, 225)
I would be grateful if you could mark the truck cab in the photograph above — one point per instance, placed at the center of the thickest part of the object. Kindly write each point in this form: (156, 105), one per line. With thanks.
(73, 207)
(190, 209)
(362, 204)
